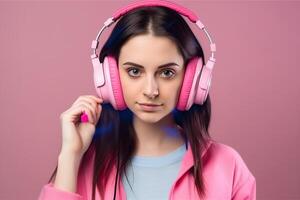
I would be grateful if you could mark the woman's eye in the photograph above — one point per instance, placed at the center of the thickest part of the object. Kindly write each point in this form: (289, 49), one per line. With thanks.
(134, 70)
(169, 73)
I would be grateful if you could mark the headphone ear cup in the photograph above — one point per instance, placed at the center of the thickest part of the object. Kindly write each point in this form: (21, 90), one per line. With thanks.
(107, 82)
(187, 91)
(204, 83)
(116, 83)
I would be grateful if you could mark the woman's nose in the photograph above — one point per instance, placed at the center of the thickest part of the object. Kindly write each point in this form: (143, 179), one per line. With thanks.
(151, 88)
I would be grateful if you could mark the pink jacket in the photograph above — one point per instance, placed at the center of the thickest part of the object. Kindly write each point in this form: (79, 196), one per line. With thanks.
(225, 174)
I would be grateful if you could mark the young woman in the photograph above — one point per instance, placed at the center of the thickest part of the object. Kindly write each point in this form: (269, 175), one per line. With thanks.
(147, 151)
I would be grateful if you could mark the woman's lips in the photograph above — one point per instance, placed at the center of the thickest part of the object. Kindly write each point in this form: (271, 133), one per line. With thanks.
(150, 107)
(149, 104)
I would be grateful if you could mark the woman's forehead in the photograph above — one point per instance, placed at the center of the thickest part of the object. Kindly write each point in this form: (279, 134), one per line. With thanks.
(157, 50)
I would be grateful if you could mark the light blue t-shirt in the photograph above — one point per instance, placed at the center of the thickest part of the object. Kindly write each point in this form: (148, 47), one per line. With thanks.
(152, 177)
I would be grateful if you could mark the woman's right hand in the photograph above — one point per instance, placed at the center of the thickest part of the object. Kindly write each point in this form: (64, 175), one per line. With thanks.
(76, 135)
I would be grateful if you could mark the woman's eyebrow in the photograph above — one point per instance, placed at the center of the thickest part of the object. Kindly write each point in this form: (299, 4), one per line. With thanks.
(161, 66)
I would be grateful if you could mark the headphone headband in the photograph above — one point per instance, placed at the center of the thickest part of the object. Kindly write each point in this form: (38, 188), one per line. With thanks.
(183, 11)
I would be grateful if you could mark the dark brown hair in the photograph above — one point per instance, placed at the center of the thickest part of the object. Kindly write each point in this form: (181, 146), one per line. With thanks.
(114, 139)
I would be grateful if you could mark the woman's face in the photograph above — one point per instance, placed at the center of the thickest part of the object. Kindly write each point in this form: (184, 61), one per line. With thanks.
(144, 81)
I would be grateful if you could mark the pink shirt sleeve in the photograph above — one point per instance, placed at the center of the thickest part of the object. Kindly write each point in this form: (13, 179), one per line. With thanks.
(244, 183)
(49, 192)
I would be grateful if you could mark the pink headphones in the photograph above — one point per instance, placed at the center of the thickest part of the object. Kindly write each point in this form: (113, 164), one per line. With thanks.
(197, 78)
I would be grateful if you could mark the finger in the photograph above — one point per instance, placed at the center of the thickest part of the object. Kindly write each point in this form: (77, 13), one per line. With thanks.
(90, 100)
(90, 108)
(74, 114)
(78, 100)
(99, 110)
(87, 101)
(98, 99)
(86, 116)
(96, 105)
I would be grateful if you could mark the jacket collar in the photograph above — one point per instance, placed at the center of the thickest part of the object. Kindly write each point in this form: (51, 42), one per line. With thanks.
(187, 163)
(188, 159)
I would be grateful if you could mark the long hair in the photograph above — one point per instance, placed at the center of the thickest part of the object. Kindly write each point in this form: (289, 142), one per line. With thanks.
(114, 140)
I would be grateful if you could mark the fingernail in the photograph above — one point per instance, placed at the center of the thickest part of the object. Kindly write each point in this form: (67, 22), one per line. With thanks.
(84, 118)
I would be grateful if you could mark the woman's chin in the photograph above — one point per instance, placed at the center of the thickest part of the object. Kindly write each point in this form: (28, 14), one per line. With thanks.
(149, 117)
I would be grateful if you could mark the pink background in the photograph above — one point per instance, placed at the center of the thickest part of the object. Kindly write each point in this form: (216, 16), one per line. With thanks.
(45, 65)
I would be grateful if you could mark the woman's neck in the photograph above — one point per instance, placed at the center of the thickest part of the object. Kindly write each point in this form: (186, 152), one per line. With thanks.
(156, 139)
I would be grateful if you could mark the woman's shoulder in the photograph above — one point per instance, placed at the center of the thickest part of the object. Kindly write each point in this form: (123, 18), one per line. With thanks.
(224, 151)
(226, 170)
(226, 154)
(234, 167)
